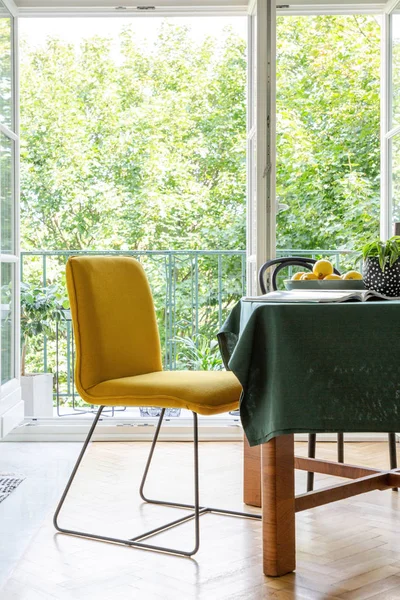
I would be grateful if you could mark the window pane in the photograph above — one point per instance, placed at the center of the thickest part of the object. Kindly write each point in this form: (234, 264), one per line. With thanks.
(395, 75)
(7, 322)
(6, 116)
(6, 194)
(328, 147)
(394, 157)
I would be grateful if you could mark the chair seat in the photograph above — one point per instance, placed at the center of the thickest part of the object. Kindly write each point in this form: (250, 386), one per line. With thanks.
(203, 392)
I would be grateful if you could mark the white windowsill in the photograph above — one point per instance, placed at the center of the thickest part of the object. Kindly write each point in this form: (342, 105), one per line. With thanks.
(177, 430)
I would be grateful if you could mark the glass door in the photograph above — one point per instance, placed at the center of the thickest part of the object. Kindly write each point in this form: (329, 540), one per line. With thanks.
(11, 407)
(390, 108)
(261, 203)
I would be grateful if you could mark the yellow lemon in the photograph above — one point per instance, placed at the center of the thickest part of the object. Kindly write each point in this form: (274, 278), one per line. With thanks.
(322, 268)
(297, 276)
(308, 276)
(352, 275)
(333, 276)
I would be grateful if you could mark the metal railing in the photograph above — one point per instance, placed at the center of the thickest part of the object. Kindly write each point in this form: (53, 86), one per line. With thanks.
(193, 292)
(341, 259)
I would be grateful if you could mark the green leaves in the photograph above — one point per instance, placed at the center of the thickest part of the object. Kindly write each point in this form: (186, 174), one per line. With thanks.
(127, 146)
(328, 131)
(134, 146)
(41, 307)
(386, 252)
(198, 353)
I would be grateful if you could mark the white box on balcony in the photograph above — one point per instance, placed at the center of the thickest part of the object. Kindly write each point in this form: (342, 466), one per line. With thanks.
(37, 394)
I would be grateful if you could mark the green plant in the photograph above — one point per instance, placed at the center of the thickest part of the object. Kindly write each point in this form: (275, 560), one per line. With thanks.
(41, 307)
(175, 175)
(199, 353)
(386, 252)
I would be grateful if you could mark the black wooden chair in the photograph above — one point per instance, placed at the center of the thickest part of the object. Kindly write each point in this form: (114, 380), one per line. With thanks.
(307, 264)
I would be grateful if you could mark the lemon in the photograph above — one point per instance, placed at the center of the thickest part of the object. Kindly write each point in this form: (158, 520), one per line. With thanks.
(308, 276)
(352, 275)
(297, 276)
(332, 277)
(322, 268)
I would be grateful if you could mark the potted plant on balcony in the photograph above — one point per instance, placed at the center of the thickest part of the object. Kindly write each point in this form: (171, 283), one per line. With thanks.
(381, 266)
(41, 307)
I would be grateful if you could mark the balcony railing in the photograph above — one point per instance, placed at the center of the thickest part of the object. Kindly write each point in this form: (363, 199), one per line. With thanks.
(193, 292)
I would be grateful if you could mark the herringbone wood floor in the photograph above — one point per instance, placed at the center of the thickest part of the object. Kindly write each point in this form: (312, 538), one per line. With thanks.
(348, 550)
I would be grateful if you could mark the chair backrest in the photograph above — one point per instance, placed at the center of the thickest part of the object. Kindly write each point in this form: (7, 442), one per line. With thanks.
(114, 320)
(281, 263)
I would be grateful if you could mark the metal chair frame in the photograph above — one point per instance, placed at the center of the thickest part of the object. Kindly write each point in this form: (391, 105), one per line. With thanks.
(301, 261)
(136, 542)
(281, 263)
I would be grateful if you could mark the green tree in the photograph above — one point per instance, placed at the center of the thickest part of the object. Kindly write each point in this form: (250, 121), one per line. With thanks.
(144, 152)
(144, 148)
(147, 150)
(328, 131)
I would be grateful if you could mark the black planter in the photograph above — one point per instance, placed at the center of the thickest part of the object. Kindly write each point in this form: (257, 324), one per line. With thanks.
(385, 282)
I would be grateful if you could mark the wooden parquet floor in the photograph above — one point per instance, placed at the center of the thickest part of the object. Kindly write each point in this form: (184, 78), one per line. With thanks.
(349, 550)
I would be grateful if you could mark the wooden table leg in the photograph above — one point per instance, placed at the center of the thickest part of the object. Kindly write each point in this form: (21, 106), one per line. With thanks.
(278, 504)
(251, 474)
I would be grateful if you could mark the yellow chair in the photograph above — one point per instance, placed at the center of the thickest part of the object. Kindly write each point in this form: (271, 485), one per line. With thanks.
(118, 363)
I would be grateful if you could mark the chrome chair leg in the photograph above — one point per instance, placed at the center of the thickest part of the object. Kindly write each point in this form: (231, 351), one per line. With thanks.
(136, 542)
(312, 441)
(340, 447)
(202, 509)
(392, 453)
(340, 451)
(76, 467)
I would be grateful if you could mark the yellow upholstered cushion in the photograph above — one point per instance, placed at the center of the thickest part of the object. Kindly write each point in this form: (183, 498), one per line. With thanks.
(205, 392)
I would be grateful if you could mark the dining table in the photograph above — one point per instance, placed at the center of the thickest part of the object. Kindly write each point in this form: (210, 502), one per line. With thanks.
(309, 367)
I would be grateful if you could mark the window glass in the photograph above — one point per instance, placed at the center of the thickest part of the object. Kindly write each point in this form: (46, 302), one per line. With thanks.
(394, 157)
(395, 71)
(6, 112)
(6, 194)
(328, 126)
(7, 322)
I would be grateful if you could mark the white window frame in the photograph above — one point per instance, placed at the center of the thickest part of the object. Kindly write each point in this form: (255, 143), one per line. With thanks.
(11, 405)
(387, 131)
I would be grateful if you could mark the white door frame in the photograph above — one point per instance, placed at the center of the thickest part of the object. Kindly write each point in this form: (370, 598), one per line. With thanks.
(261, 131)
(387, 131)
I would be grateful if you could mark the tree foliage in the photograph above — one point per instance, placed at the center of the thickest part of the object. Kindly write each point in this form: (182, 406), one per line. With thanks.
(134, 147)
(144, 148)
(328, 131)
(143, 151)
(41, 308)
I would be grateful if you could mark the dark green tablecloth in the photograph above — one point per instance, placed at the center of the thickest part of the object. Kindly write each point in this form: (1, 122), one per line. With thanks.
(315, 367)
